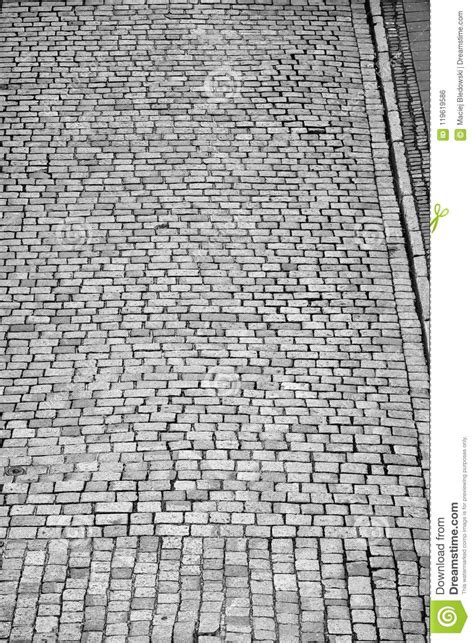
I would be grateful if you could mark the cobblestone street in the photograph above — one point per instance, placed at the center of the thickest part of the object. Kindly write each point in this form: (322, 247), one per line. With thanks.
(215, 391)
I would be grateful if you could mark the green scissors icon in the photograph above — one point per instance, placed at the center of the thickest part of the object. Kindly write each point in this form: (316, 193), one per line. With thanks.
(439, 214)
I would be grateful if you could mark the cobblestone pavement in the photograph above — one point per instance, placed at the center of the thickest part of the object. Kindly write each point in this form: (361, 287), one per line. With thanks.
(214, 414)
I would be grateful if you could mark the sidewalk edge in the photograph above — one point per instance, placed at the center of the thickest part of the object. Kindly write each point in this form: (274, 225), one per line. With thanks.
(402, 180)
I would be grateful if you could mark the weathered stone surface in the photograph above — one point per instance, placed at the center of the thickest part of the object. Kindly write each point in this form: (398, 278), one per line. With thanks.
(214, 376)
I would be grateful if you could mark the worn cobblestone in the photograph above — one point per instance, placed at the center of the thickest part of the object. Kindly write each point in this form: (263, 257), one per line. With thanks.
(214, 418)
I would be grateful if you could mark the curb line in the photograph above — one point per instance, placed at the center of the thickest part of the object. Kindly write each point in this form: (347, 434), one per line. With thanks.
(403, 187)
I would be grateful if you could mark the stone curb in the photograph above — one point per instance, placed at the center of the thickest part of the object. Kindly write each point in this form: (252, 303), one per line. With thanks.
(187, 4)
(403, 187)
